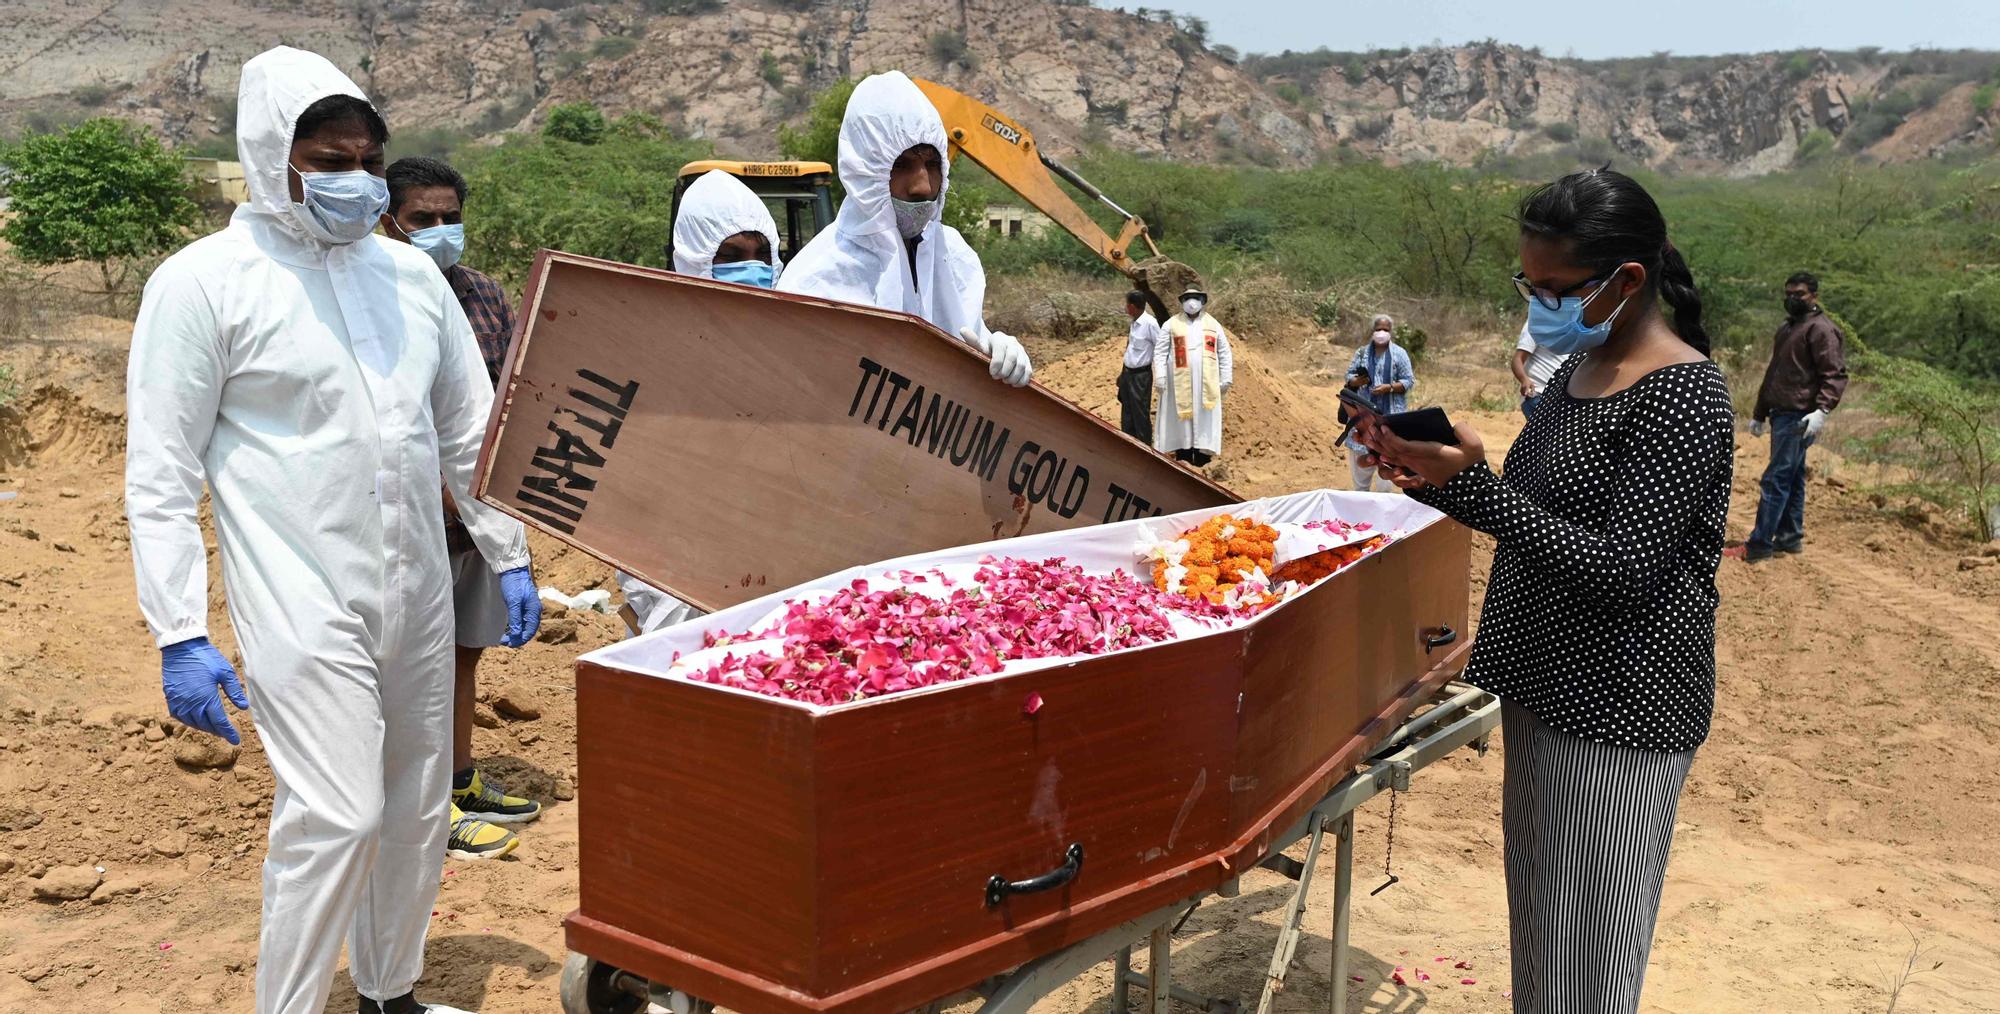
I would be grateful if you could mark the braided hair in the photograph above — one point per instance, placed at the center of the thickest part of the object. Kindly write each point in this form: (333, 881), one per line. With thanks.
(1606, 218)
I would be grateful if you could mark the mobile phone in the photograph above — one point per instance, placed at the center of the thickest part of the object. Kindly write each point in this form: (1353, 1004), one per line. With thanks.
(1423, 424)
(1357, 402)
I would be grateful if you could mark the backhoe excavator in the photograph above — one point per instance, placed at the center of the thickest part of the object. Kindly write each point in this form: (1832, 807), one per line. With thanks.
(798, 193)
(1006, 149)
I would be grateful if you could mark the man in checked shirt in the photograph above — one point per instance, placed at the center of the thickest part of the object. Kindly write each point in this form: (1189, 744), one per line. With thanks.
(426, 210)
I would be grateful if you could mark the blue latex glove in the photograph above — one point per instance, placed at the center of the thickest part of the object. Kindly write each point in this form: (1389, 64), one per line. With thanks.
(189, 672)
(524, 606)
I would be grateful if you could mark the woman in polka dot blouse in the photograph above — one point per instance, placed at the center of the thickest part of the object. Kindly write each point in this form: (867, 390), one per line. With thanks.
(1598, 632)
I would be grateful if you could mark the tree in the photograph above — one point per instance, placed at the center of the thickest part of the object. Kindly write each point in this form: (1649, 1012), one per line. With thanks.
(818, 140)
(611, 199)
(577, 122)
(102, 191)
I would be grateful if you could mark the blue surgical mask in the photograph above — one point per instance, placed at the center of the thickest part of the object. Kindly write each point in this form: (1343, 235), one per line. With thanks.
(755, 273)
(445, 243)
(343, 207)
(1562, 330)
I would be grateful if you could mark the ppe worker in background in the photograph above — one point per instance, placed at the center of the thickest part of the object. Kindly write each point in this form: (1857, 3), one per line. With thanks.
(1802, 386)
(319, 378)
(1381, 370)
(1192, 370)
(723, 232)
(1135, 381)
(889, 246)
(1534, 365)
(427, 211)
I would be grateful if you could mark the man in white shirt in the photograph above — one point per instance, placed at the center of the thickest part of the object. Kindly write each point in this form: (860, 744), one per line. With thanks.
(1135, 381)
(1533, 367)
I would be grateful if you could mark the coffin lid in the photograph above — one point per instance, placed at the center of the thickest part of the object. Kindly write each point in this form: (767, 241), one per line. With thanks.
(722, 441)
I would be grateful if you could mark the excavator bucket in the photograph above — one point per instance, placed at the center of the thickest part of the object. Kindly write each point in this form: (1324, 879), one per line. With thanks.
(1165, 277)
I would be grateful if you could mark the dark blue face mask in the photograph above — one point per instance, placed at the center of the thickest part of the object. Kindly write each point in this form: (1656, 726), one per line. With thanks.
(755, 273)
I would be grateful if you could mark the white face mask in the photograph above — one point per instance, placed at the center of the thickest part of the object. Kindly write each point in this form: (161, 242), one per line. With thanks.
(913, 217)
(1191, 307)
(1380, 337)
(445, 243)
(341, 208)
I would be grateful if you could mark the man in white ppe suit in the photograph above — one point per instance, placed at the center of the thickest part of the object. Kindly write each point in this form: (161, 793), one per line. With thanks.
(723, 231)
(888, 246)
(319, 379)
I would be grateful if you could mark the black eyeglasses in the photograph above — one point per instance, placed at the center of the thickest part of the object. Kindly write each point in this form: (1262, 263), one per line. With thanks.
(1553, 300)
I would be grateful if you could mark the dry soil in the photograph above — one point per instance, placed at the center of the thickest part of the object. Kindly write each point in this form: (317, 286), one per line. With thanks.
(1842, 814)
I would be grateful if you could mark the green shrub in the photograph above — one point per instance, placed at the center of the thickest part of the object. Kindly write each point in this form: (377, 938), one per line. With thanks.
(1368, 128)
(1561, 132)
(1818, 143)
(576, 122)
(948, 47)
(1946, 429)
(1413, 339)
(1288, 92)
(612, 198)
(104, 193)
(767, 68)
(611, 47)
(1798, 67)
(1982, 98)
(1246, 229)
(1326, 311)
(818, 139)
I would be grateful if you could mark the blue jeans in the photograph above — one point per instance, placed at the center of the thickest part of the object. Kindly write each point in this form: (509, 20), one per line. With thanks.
(1528, 406)
(1781, 513)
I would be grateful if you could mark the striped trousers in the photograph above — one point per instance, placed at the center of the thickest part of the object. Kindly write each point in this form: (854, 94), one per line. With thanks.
(1587, 828)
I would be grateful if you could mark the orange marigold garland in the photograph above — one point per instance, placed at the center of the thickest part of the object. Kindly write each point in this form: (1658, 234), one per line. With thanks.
(1210, 560)
(1307, 569)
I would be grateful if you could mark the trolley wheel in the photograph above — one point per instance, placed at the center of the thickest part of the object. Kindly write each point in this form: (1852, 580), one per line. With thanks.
(587, 988)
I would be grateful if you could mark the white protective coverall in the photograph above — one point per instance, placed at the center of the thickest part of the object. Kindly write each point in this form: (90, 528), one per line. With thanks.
(319, 390)
(862, 259)
(714, 208)
(1203, 430)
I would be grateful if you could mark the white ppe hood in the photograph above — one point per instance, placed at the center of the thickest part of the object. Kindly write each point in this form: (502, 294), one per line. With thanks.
(714, 208)
(862, 259)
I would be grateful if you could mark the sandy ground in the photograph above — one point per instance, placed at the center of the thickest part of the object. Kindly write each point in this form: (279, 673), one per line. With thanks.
(1841, 815)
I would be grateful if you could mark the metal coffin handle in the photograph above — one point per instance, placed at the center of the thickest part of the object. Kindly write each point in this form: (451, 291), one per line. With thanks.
(999, 887)
(1445, 635)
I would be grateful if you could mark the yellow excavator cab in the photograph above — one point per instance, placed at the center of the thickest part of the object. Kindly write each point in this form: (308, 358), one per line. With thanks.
(799, 194)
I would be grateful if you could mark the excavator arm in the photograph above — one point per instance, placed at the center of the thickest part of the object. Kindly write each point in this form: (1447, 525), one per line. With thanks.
(1006, 149)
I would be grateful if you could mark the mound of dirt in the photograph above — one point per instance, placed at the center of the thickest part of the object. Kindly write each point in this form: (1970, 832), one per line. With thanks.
(1277, 433)
(54, 422)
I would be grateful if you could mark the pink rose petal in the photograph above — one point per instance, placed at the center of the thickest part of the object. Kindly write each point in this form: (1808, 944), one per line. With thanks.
(1398, 977)
(1468, 982)
(166, 946)
(1463, 964)
(1032, 704)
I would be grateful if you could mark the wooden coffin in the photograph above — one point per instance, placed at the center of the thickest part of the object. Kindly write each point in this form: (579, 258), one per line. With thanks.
(721, 441)
(773, 856)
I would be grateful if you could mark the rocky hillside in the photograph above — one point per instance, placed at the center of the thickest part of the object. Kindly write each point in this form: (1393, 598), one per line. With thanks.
(734, 70)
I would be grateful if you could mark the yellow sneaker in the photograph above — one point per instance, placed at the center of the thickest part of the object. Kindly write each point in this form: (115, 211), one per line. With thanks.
(491, 803)
(473, 839)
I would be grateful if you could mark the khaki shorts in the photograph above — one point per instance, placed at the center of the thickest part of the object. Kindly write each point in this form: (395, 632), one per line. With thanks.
(479, 613)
